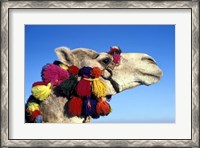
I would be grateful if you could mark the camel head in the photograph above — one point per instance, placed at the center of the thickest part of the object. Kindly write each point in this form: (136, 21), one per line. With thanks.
(121, 71)
(134, 69)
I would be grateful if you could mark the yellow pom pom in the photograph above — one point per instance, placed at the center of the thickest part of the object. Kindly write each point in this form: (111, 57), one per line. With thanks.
(63, 66)
(41, 92)
(98, 88)
(32, 106)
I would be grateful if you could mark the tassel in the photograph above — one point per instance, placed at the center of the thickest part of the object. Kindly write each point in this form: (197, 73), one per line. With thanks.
(41, 92)
(73, 70)
(116, 58)
(83, 88)
(75, 106)
(98, 88)
(96, 72)
(54, 74)
(32, 106)
(89, 106)
(103, 108)
(34, 114)
(68, 85)
(95, 116)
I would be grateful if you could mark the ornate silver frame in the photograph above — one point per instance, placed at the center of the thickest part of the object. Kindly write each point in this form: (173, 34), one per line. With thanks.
(193, 5)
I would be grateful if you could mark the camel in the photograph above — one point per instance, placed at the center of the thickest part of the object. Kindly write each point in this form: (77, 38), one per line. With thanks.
(134, 69)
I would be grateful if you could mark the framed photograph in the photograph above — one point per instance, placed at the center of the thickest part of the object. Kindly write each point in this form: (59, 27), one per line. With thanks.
(100, 73)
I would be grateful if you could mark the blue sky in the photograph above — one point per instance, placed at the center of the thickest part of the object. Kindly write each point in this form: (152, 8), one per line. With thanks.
(143, 104)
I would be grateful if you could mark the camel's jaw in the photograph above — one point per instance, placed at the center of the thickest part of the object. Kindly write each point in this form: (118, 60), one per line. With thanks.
(149, 78)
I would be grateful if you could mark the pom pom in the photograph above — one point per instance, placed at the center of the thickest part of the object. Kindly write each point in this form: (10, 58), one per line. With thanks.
(75, 106)
(41, 92)
(67, 86)
(89, 107)
(116, 58)
(54, 74)
(98, 88)
(73, 69)
(103, 108)
(32, 106)
(85, 71)
(38, 119)
(95, 116)
(96, 72)
(83, 88)
(39, 83)
(34, 114)
(114, 49)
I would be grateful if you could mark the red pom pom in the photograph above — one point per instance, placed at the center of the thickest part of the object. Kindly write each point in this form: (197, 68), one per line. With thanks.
(75, 106)
(113, 50)
(83, 88)
(39, 83)
(73, 69)
(103, 108)
(96, 72)
(34, 115)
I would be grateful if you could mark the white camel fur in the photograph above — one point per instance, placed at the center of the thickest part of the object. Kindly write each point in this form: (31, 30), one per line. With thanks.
(134, 69)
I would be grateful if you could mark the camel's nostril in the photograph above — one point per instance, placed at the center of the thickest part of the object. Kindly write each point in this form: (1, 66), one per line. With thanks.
(149, 59)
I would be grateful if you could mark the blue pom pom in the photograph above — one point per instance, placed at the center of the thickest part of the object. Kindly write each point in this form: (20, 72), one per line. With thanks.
(85, 71)
(89, 106)
(38, 119)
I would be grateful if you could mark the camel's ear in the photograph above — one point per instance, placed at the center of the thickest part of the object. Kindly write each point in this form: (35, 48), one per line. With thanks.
(65, 55)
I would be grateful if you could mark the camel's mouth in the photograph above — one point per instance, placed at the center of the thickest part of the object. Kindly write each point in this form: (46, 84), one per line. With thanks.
(151, 78)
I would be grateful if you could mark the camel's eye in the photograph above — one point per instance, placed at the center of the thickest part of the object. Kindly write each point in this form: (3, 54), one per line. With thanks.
(105, 61)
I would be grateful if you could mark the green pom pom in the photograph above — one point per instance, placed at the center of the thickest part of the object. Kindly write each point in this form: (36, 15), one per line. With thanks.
(68, 85)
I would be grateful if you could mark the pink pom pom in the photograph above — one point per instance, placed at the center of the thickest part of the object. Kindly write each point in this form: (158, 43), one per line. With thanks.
(116, 58)
(54, 74)
(83, 88)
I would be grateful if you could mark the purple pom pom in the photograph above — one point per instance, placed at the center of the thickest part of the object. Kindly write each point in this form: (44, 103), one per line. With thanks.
(85, 71)
(54, 74)
(89, 106)
(95, 116)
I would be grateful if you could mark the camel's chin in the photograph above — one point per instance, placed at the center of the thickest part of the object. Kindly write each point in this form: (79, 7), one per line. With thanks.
(151, 80)
(133, 85)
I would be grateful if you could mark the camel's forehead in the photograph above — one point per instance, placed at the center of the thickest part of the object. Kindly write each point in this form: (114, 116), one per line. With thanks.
(85, 52)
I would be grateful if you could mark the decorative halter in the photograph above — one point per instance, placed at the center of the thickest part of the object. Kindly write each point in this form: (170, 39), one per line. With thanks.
(83, 87)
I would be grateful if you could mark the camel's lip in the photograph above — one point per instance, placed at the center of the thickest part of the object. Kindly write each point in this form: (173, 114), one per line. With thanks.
(156, 76)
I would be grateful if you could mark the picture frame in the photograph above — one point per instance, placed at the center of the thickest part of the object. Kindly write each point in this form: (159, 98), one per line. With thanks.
(6, 6)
